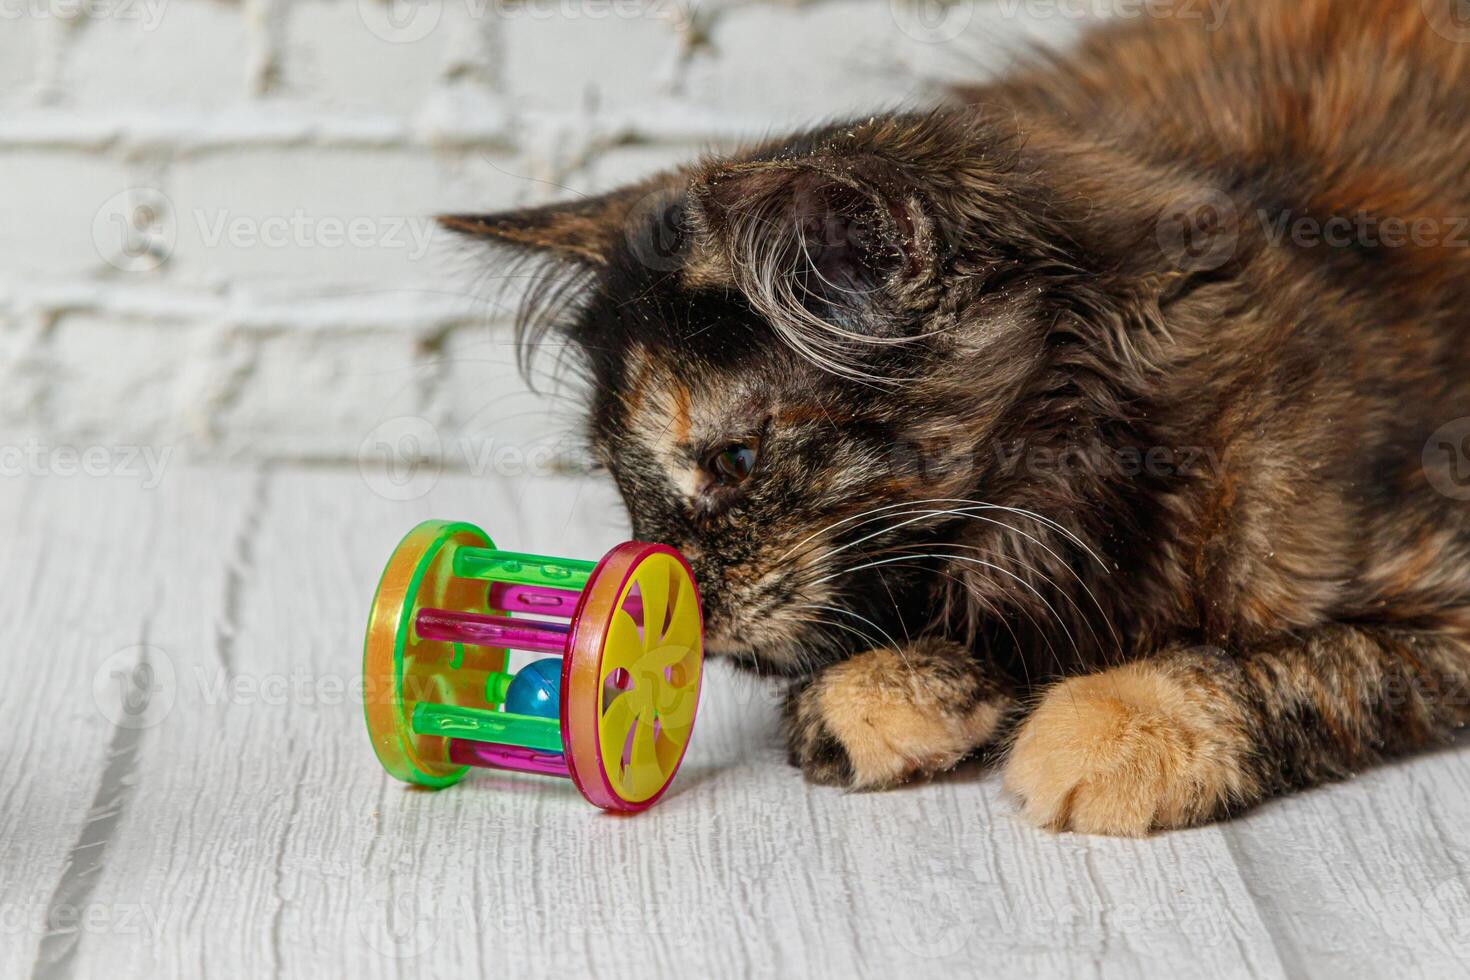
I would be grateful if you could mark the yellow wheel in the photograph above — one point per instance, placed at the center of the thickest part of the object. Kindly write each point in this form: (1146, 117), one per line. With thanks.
(631, 684)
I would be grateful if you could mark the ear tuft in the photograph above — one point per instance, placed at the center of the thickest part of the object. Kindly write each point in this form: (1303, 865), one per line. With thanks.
(571, 232)
(584, 231)
(818, 246)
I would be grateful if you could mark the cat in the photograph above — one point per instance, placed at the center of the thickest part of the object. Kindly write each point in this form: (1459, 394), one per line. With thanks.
(1110, 420)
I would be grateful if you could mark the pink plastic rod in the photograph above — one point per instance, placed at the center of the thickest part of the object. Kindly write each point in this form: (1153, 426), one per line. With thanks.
(541, 600)
(491, 631)
(512, 757)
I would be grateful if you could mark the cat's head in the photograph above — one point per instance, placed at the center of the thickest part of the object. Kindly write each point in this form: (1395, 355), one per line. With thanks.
(803, 360)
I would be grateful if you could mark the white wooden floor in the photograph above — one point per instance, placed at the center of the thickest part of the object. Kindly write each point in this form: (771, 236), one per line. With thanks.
(237, 823)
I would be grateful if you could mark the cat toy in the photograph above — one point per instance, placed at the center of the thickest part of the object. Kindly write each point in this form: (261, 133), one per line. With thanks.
(611, 708)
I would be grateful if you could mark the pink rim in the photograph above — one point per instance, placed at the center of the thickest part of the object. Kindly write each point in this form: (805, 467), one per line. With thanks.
(581, 677)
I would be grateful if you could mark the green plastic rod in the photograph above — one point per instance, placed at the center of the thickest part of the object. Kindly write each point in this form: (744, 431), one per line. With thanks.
(518, 569)
(479, 725)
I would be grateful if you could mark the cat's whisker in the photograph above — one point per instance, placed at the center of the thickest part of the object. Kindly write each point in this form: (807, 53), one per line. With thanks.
(966, 513)
(1000, 614)
(893, 645)
(862, 517)
(867, 638)
(991, 565)
(831, 527)
(848, 612)
(1039, 573)
(994, 609)
(874, 512)
(1097, 604)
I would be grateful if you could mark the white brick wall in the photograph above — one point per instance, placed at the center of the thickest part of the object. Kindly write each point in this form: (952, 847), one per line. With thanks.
(213, 215)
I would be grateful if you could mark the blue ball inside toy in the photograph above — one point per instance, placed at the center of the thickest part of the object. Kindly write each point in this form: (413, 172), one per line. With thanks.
(536, 689)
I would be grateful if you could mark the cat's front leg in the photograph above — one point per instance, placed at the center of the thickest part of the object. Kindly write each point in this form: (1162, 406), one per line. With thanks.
(1193, 734)
(885, 716)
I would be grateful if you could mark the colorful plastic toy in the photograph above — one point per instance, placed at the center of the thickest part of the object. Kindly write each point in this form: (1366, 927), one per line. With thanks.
(614, 715)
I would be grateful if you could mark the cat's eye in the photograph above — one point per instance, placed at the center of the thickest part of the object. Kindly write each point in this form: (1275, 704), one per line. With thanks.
(731, 465)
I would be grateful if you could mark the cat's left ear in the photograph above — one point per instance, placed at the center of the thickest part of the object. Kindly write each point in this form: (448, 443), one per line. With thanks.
(845, 243)
(582, 232)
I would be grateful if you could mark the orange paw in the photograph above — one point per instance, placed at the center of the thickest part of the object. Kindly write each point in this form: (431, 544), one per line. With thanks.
(1126, 752)
(881, 718)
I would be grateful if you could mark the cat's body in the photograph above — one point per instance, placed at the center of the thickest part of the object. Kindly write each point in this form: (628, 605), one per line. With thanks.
(1112, 408)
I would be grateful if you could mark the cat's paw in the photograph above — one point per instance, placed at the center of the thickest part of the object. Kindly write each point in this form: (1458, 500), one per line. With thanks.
(1125, 752)
(882, 718)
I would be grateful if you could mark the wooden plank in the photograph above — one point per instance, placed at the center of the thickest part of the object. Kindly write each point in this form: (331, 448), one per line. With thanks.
(253, 832)
(92, 563)
(1370, 878)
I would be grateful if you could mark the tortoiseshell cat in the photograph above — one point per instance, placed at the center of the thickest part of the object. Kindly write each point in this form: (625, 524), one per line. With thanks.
(1113, 416)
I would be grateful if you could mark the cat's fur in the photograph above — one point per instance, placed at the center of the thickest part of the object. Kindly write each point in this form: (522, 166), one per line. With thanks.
(1057, 435)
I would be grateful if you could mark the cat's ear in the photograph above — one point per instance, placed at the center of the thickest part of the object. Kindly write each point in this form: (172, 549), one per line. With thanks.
(584, 231)
(842, 244)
